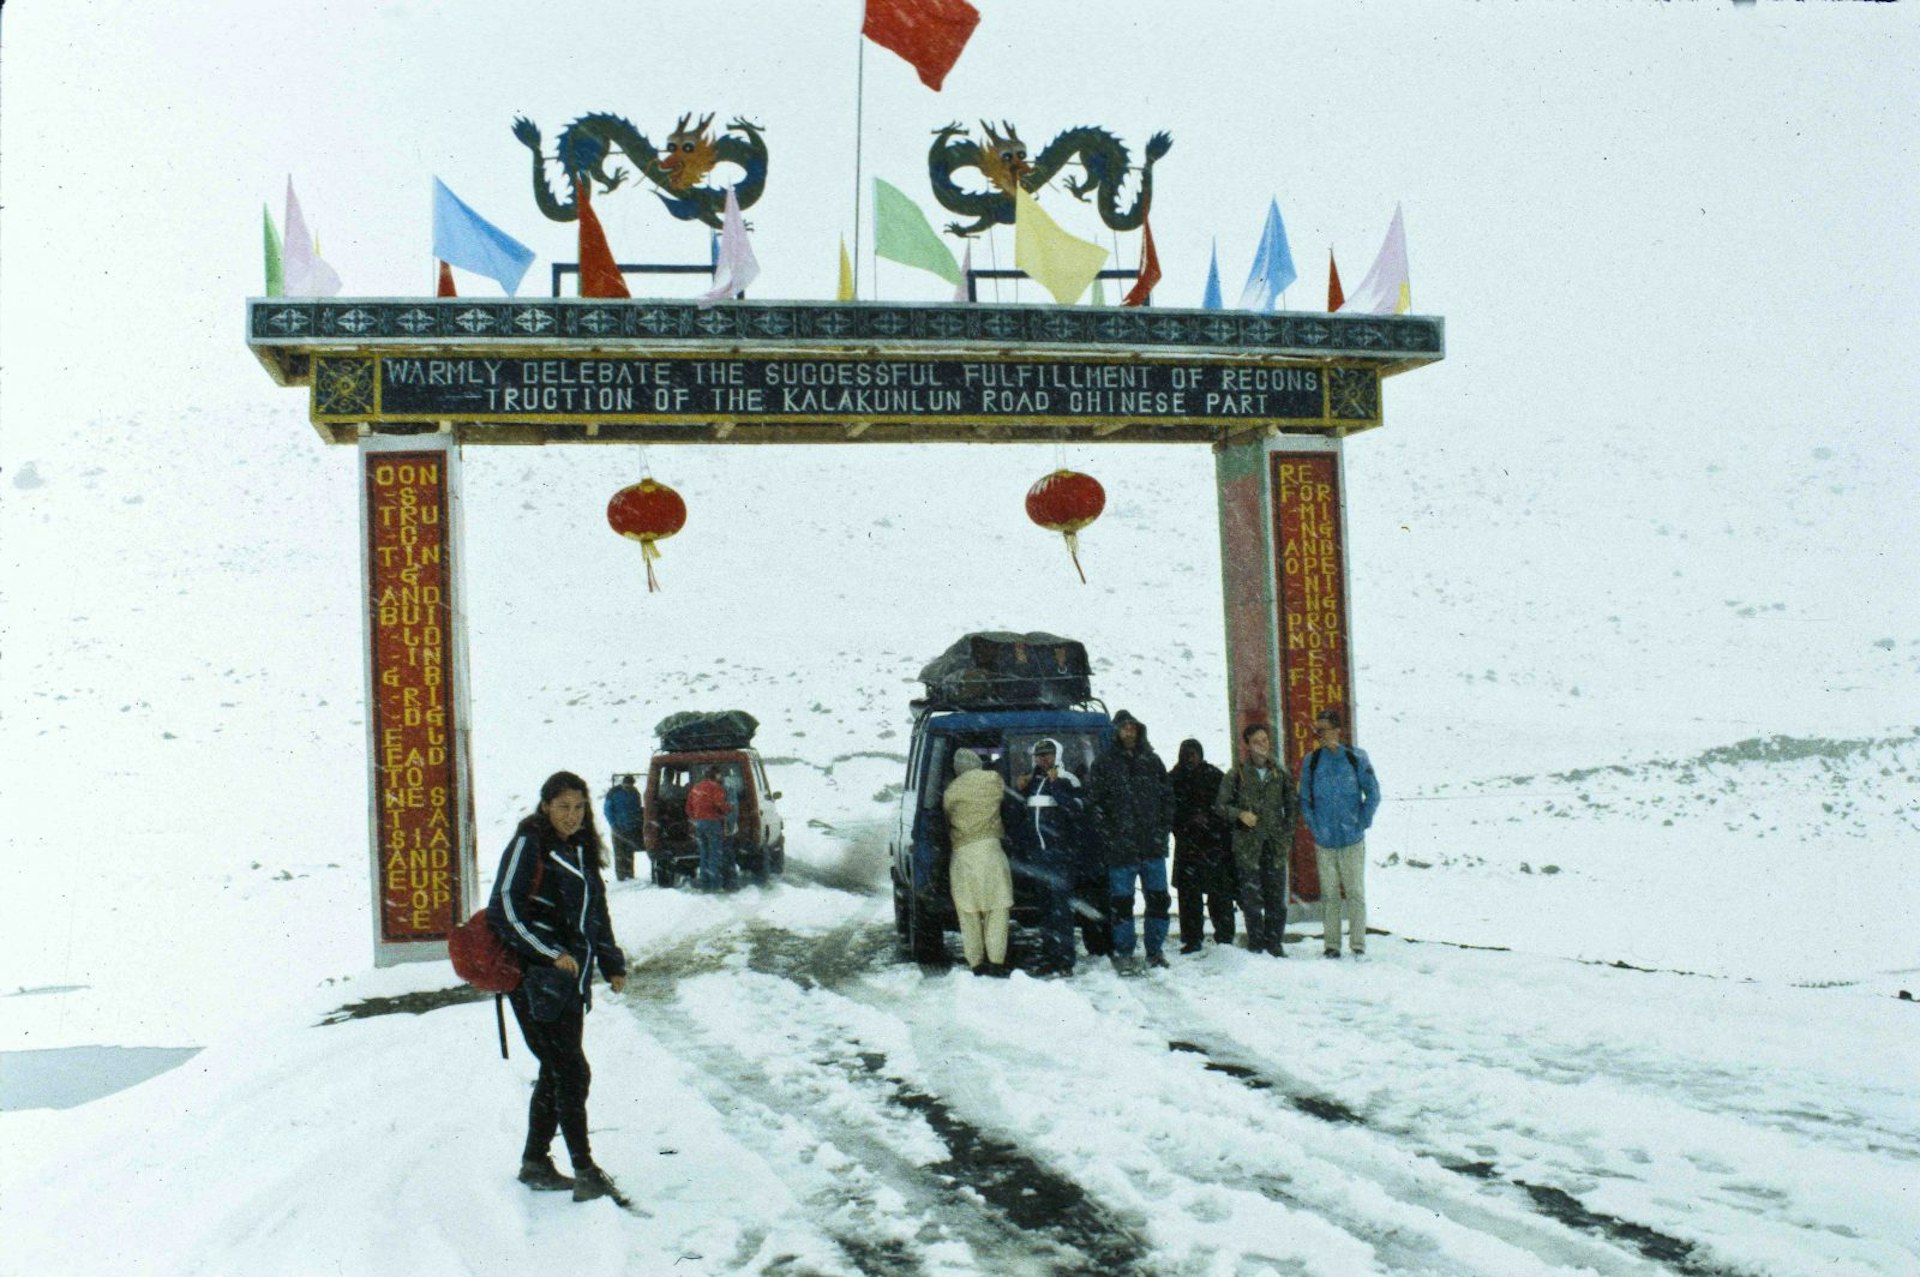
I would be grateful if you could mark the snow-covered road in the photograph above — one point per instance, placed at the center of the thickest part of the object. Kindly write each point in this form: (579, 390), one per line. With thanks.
(1435, 1110)
(783, 1094)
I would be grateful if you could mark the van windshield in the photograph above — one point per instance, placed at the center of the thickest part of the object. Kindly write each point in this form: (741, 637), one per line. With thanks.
(1010, 754)
(1075, 751)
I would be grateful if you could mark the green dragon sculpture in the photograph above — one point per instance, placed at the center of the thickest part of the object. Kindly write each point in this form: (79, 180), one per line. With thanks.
(1002, 161)
(585, 146)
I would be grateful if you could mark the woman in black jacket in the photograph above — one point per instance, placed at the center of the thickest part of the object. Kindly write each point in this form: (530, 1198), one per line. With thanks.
(549, 905)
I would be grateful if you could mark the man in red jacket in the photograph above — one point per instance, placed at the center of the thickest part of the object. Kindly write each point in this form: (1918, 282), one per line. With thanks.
(707, 809)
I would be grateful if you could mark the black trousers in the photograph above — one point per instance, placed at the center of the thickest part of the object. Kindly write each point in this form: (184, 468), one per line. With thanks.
(1263, 897)
(624, 845)
(1206, 887)
(560, 1092)
(1093, 908)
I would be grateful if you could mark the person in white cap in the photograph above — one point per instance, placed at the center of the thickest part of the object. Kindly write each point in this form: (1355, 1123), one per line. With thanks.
(981, 879)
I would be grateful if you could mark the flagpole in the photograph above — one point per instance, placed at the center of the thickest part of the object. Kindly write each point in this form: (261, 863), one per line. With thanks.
(859, 144)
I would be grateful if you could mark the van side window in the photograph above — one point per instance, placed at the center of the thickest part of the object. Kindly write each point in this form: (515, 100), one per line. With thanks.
(939, 750)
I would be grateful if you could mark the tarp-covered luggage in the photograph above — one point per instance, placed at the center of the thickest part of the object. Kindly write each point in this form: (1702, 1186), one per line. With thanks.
(999, 667)
(693, 730)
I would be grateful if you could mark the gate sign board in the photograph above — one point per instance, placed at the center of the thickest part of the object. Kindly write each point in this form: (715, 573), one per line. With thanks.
(422, 878)
(572, 370)
(834, 388)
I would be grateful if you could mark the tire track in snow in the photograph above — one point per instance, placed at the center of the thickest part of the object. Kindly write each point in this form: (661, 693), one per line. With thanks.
(1674, 1254)
(939, 1194)
(1309, 1212)
(1398, 1244)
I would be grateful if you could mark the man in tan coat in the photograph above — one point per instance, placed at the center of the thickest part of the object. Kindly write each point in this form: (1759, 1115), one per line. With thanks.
(982, 880)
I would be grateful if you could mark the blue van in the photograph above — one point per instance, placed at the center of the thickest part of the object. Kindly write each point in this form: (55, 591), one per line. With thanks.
(1004, 738)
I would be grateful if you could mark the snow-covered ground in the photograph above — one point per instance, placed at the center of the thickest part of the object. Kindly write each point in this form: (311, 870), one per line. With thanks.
(1638, 644)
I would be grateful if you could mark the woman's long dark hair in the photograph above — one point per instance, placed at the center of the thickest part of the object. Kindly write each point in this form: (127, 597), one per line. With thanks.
(566, 782)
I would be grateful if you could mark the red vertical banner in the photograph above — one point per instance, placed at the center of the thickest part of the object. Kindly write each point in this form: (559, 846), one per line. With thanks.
(412, 637)
(1310, 569)
(1245, 595)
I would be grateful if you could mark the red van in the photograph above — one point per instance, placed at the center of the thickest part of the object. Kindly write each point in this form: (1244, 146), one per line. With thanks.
(755, 837)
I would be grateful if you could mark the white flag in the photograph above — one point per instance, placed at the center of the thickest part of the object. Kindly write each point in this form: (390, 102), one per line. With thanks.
(305, 273)
(1386, 289)
(737, 266)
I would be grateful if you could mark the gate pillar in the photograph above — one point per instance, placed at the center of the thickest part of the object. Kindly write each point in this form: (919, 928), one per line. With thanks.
(419, 782)
(1283, 564)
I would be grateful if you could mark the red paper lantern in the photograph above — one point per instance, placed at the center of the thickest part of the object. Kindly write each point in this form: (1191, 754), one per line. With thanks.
(647, 512)
(1064, 502)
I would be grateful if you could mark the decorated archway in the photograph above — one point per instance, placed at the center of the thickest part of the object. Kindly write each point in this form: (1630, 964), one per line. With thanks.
(410, 382)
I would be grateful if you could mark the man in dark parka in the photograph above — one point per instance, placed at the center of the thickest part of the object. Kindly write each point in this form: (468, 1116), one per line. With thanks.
(1203, 872)
(1132, 804)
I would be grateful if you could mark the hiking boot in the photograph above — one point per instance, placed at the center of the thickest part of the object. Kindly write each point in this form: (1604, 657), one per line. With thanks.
(540, 1174)
(1191, 946)
(590, 1181)
(1331, 953)
(1158, 960)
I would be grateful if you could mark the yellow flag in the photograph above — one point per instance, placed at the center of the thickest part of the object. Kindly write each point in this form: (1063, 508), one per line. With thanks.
(1057, 261)
(846, 274)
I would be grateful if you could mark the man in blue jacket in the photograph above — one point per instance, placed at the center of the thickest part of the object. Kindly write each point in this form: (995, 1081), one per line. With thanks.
(1338, 795)
(623, 810)
(1049, 828)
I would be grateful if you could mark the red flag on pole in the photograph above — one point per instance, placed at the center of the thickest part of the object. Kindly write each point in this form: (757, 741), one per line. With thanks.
(928, 33)
(599, 277)
(1335, 298)
(446, 282)
(1149, 268)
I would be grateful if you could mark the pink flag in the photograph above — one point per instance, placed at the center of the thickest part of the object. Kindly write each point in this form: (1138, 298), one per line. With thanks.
(1386, 290)
(737, 266)
(305, 273)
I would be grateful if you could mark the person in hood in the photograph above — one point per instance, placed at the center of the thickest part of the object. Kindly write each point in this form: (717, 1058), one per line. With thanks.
(1052, 803)
(622, 808)
(1202, 868)
(1257, 802)
(1339, 794)
(1132, 804)
(979, 875)
(549, 905)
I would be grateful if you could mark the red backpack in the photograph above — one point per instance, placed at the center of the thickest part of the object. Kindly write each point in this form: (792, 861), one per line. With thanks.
(478, 955)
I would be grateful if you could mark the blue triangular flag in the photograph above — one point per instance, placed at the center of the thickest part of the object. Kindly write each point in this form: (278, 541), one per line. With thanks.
(1211, 299)
(1272, 265)
(463, 238)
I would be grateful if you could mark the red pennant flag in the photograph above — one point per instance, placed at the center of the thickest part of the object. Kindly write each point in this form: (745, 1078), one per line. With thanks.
(1335, 298)
(1149, 268)
(928, 33)
(599, 277)
(446, 282)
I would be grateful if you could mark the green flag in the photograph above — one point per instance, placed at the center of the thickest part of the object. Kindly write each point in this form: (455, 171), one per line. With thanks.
(276, 278)
(901, 233)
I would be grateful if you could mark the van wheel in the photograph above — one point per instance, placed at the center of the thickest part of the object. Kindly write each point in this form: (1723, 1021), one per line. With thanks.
(901, 924)
(777, 857)
(925, 940)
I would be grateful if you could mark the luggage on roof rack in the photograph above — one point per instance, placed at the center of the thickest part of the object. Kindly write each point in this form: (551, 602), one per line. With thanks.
(1002, 668)
(693, 730)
